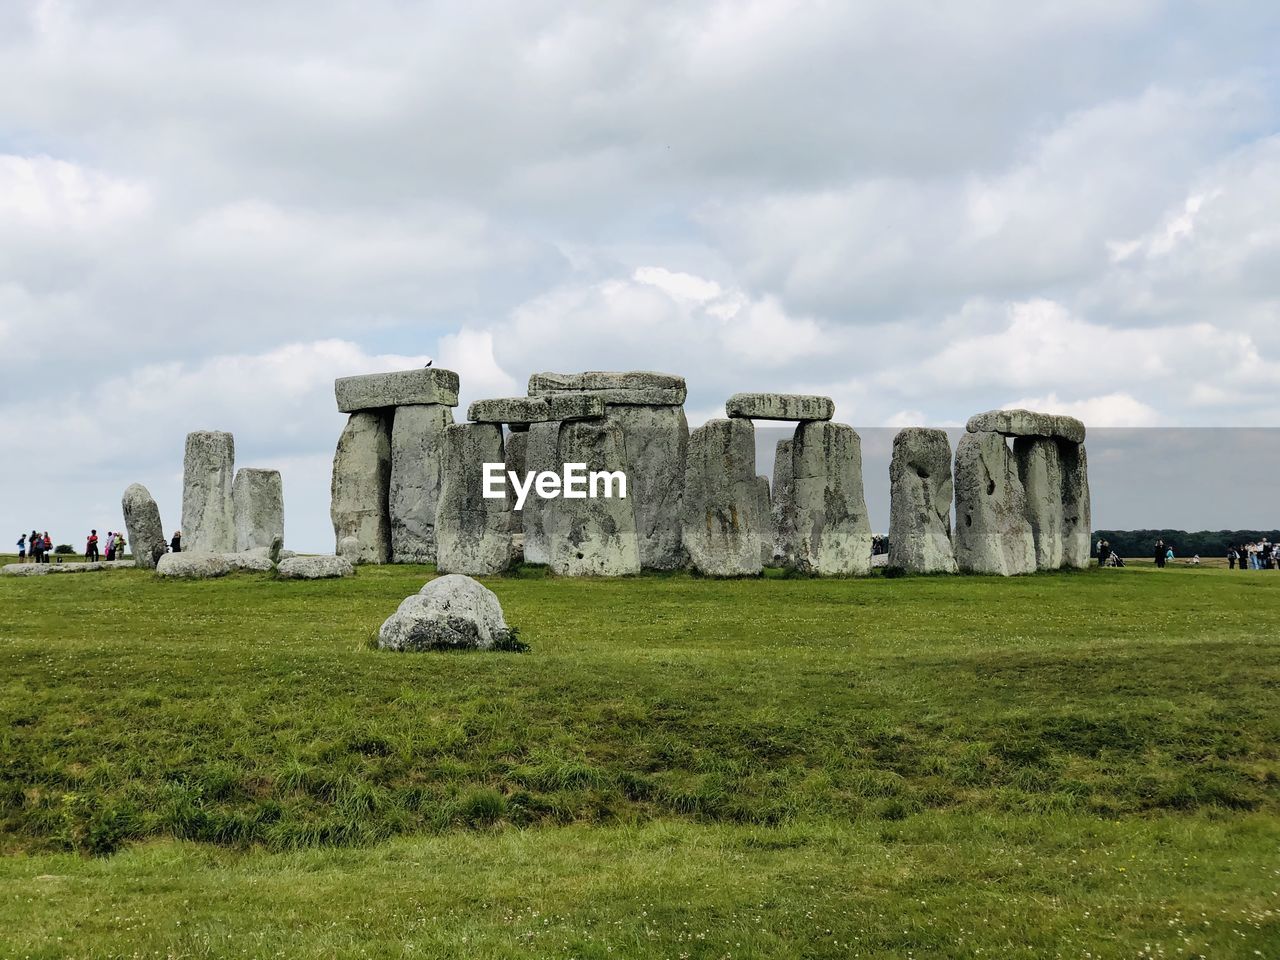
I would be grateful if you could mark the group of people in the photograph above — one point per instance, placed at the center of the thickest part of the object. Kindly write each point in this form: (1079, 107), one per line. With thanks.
(36, 545)
(1263, 555)
(1108, 557)
(110, 547)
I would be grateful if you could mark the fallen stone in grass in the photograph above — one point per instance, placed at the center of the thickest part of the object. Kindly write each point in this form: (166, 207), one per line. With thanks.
(452, 612)
(315, 568)
(40, 569)
(198, 566)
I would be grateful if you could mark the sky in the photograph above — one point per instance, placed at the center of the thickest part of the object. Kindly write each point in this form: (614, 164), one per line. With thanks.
(208, 212)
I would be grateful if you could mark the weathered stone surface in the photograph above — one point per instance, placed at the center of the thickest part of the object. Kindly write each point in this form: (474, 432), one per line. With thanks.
(780, 406)
(1040, 470)
(142, 524)
(992, 534)
(208, 514)
(769, 532)
(1076, 509)
(195, 565)
(376, 390)
(450, 613)
(1025, 423)
(782, 512)
(473, 533)
(361, 482)
(42, 569)
(636, 387)
(920, 491)
(514, 446)
(657, 443)
(417, 470)
(541, 444)
(719, 509)
(250, 561)
(258, 497)
(315, 568)
(527, 410)
(594, 535)
(830, 529)
(349, 549)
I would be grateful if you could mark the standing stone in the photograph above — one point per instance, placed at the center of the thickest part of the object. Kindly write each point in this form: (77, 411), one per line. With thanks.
(831, 529)
(1076, 511)
(515, 445)
(920, 492)
(721, 501)
(258, 498)
(783, 500)
(417, 465)
(361, 479)
(142, 525)
(1040, 470)
(992, 533)
(539, 455)
(208, 514)
(473, 533)
(595, 535)
(657, 442)
(767, 533)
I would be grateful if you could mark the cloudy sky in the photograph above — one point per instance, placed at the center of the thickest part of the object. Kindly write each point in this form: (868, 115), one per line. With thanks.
(208, 212)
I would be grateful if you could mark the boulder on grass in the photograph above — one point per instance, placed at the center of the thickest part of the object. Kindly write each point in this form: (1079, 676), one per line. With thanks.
(452, 612)
(315, 568)
(199, 566)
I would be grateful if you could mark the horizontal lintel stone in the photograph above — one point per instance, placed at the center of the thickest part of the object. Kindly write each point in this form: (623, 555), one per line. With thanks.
(527, 410)
(780, 406)
(375, 390)
(634, 388)
(1026, 423)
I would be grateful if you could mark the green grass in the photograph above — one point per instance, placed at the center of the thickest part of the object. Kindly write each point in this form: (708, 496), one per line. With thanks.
(934, 765)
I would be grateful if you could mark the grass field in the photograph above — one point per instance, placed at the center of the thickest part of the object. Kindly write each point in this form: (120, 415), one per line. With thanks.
(1076, 765)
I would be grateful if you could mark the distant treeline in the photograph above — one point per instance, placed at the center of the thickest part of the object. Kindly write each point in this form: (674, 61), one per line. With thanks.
(1205, 543)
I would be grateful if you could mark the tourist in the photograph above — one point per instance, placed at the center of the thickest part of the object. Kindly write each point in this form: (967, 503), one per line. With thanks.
(1159, 553)
(176, 543)
(91, 547)
(1168, 555)
(1232, 556)
(110, 547)
(1104, 552)
(119, 545)
(22, 548)
(46, 547)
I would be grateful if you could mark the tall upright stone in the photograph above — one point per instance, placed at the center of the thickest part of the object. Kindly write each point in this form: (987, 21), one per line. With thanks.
(593, 535)
(417, 470)
(920, 491)
(992, 534)
(361, 484)
(720, 506)
(657, 442)
(258, 499)
(831, 531)
(143, 527)
(540, 451)
(649, 408)
(1076, 509)
(473, 532)
(208, 514)
(515, 444)
(768, 531)
(1040, 469)
(783, 504)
